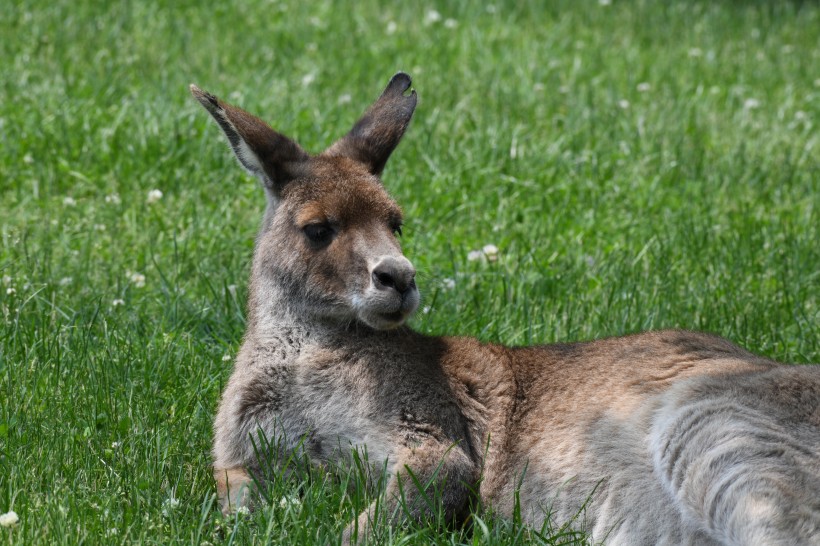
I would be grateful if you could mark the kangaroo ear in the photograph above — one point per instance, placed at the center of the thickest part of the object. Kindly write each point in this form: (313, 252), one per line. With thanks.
(377, 133)
(268, 155)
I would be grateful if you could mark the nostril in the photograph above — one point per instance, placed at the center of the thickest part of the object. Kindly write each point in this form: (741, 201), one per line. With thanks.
(383, 278)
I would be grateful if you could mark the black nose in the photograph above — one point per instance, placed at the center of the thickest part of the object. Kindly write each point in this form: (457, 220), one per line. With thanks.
(395, 274)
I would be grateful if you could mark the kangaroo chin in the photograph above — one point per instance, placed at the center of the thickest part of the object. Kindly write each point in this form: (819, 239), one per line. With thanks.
(669, 437)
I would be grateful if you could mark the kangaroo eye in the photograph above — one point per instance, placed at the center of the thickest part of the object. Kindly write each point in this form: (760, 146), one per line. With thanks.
(397, 230)
(319, 234)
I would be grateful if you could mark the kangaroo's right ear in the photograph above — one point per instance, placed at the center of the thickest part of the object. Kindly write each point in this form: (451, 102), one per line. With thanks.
(272, 157)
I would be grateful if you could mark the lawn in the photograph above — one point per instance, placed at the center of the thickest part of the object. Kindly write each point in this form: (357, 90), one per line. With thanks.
(638, 165)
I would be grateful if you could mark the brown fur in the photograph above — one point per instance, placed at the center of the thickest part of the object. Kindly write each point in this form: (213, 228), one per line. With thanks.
(661, 437)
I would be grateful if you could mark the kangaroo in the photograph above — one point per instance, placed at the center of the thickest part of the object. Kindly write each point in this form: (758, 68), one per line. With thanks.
(666, 437)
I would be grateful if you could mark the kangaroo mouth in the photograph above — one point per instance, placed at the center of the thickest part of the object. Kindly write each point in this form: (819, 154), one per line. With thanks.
(396, 316)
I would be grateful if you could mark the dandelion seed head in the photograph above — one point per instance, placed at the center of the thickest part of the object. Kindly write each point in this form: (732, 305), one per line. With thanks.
(474, 255)
(623, 104)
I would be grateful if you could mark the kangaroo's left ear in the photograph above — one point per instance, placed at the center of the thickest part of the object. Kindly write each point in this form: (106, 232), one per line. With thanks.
(378, 132)
(272, 157)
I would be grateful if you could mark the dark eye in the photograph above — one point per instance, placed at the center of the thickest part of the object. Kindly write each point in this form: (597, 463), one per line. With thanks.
(397, 230)
(319, 234)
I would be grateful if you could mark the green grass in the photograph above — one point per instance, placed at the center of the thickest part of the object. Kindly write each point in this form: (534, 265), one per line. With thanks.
(639, 165)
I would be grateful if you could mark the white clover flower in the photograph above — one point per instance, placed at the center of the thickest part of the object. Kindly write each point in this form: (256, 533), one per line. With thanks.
(643, 87)
(391, 27)
(226, 357)
(448, 283)
(65, 281)
(695, 52)
(115, 445)
(113, 199)
(27, 159)
(9, 519)
(474, 255)
(69, 202)
(425, 309)
(153, 196)
(491, 251)
(7, 280)
(10, 291)
(751, 104)
(604, 2)
(117, 303)
(817, 82)
(564, 89)
(345, 99)
(289, 500)
(308, 79)
(432, 16)
(623, 104)
(137, 278)
(169, 505)
(99, 227)
(800, 115)
(450, 23)
(112, 532)
(243, 511)
(538, 87)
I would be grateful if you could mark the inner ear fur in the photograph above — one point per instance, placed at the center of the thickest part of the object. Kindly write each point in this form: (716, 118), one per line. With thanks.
(379, 130)
(268, 155)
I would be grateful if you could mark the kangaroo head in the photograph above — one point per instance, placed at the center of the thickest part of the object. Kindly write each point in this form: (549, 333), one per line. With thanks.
(328, 247)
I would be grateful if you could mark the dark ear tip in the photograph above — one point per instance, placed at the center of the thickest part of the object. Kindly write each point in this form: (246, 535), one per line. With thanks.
(207, 100)
(400, 82)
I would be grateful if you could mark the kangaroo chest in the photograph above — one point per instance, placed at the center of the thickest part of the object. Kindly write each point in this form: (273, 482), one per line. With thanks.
(368, 400)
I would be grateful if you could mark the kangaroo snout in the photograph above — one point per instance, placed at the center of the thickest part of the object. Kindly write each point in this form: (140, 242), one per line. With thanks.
(394, 273)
